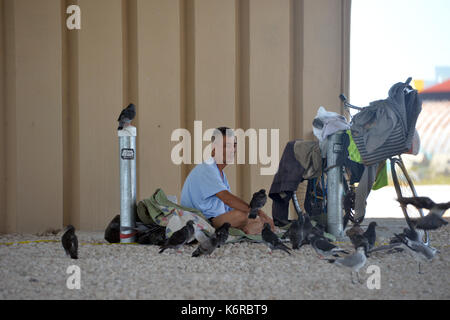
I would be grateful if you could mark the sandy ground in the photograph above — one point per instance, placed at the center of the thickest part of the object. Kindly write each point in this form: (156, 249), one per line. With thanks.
(235, 271)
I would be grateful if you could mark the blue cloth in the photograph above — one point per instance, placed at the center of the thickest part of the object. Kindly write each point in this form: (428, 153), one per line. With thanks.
(200, 189)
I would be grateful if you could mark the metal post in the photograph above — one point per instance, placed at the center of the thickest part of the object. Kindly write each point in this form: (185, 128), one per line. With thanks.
(335, 189)
(127, 156)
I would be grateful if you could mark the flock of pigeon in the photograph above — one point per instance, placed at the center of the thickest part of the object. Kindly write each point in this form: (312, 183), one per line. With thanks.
(302, 232)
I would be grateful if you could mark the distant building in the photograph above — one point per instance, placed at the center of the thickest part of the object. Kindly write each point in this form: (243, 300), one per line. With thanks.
(433, 126)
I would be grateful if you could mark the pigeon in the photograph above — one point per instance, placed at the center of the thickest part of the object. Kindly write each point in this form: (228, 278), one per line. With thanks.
(426, 203)
(354, 261)
(359, 240)
(420, 251)
(354, 230)
(414, 235)
(295, 234)
(307, 226)
(112, 232)
(430, 222)
(323, 247)
(433, 220)
(126, 116)
(152, 234)
(206, 244)
(272, 240)
(258, 201)
(70, 242)
(179, 237)
(370, 234)
(222, 233)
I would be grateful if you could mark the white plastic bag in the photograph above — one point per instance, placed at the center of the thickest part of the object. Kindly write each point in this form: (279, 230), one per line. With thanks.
(332, 122)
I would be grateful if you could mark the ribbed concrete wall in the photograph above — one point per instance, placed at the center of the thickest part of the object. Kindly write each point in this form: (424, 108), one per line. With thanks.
(262, 64)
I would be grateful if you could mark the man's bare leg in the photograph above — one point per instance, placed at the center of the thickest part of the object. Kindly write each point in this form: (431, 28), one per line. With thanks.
(238, 219)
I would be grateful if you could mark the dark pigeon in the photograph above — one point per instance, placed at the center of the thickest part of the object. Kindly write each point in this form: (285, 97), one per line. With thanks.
(295, 234)
(222, 234)
(179, 237)
(70, 242)
(272, 240)
(370, 234)
(258, 201)
(126, 116)
(358, 240)
(426, 203)
(323, 247)
(112, 232)
(430, 222)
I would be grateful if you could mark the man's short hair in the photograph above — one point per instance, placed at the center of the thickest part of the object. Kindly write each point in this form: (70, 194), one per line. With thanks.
(224, 131)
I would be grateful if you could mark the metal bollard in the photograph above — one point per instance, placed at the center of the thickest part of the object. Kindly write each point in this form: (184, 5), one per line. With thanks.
(127, 156)
(335, 189)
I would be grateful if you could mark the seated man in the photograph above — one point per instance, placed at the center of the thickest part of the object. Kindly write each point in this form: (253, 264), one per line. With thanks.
(206, 188)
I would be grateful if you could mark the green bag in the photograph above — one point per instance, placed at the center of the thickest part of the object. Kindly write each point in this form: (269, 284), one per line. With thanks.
(157, 209)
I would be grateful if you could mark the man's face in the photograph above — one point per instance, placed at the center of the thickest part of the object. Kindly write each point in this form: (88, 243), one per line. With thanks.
(225, 148)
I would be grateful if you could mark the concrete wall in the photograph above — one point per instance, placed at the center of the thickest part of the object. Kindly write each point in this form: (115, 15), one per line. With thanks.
(262, 64)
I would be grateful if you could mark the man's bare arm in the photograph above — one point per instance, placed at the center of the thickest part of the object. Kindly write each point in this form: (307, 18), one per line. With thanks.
(232, 201)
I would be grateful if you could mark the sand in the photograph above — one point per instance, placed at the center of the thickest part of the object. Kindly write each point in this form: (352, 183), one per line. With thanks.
(234, 271)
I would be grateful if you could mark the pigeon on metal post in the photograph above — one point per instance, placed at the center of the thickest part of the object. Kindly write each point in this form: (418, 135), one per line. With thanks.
(222, 233)
(70, 242)
(354, 261)
(179, 237)
(272, 240)
(126, 116)
(258, 201)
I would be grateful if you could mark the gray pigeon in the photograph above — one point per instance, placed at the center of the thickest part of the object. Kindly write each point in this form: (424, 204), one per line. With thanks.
(354, 261)
(272, 240)
(126, 116)
(295, 234)
(419, 250)
(206, 244)
(258, 201)
(70, 242)
(323, 247)
(222, 233)
(179, 237)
